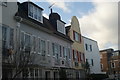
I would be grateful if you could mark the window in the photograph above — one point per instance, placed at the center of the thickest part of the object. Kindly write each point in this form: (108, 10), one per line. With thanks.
(74, 55)
(7, 39)
(86, 47)
(90, 47)
(48, 47)
(11, 38)
(61, 27)
(4, 36)
(92, 63)
(40, 73)
(76, 36)
(101, 66)
(35, 13)
(69, 53)
(22, 40)
(66, 56)
(25, 73)
(112, 65)
(30, 10)
(36, 73)
(31, 73)
(60, 51)
(34, 44)
(27, 43)
(43, 47)
(39, 44)
(53, 49)
(39, 13)
(64, 52)
(4, 40)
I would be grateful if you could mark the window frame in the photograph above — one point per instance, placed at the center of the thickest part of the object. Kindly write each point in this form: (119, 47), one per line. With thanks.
(37, 12)
(77, 36)
(48, 47)
(43, 48)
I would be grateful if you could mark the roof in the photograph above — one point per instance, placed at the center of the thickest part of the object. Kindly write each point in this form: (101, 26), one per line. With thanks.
(106, 50)
(89, 38)
(23, 13)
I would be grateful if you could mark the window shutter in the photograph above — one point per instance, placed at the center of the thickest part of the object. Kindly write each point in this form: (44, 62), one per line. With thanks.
(78, 56)
(74, 35)
(83, 57)
(80, 38)
(73, 55)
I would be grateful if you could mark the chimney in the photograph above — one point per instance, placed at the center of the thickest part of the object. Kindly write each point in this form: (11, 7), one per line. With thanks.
(51, 10)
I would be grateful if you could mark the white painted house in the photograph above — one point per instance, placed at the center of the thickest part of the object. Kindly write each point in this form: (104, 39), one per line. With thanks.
(92, 55)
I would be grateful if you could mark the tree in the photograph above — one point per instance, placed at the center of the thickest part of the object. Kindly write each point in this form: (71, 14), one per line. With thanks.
(87, 68)
(18, 60)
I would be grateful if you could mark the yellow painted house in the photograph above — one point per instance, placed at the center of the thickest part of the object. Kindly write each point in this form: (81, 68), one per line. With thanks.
(73, 31)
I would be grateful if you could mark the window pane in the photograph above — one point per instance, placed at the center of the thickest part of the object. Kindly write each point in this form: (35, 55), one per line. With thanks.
(22, 40)
(43, 47)
(64, 52)
(69, 52)
(30, 10)
(11, 38)
(48, 47)
(86, 47)
(60, 51)
(27, 43)
(35, 12)
(36, 73)
(53, 49)
(34, 43)
(90, 47)
(4, 41)
(32, 73)
(39, 14)
(39, 48)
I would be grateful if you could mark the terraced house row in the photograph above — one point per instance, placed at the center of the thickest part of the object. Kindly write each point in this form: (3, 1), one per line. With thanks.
(36, 47)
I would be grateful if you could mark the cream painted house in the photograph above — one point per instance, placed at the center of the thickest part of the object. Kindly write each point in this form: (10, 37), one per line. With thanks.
(78, 58)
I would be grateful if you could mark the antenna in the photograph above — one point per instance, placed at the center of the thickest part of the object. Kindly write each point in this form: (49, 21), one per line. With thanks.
(50, 7)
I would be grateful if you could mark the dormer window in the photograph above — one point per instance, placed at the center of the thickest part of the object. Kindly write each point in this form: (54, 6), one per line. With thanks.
(35, 13)
(61, 27)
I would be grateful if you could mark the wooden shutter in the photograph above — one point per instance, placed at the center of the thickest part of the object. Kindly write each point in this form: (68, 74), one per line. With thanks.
(78, 56)
(73, 55)
(80, 38)
(83, 57)
(74, 35)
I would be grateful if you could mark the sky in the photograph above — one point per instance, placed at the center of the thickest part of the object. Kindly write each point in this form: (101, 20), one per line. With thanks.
(98, 20)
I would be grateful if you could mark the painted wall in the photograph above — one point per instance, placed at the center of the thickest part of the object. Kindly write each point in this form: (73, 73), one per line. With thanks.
(94, 54)
(50, 60)
(7, 13)
(76, 45)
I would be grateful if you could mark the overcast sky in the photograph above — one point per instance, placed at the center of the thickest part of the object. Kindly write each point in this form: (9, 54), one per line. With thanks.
(98, 20)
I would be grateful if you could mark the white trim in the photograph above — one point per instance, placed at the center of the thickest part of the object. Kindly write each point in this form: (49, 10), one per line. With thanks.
(41, 21)
(48, 48)
(39, 42)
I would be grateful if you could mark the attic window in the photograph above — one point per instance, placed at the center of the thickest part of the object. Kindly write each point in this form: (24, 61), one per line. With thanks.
(61, 27)
(35, 13)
